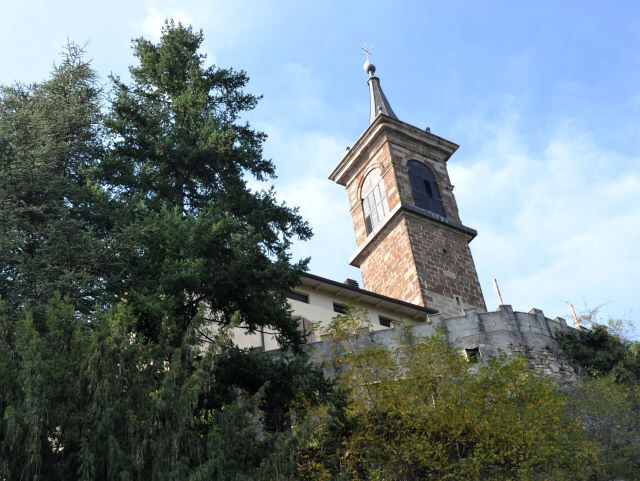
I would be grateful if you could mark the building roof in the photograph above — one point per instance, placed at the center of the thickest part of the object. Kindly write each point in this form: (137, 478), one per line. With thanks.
(363, 296)
(399, 128)
(378, 101)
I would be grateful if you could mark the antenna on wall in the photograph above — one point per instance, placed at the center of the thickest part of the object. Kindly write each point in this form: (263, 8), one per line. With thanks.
(497, 289)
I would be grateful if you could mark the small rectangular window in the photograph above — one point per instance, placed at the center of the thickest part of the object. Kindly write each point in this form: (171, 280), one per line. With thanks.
(386, 321)
(473, 355)
(298, 296)
(339, 308)
(368, 224)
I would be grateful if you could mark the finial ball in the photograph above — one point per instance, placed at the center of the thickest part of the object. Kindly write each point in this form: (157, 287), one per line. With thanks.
(369, 67)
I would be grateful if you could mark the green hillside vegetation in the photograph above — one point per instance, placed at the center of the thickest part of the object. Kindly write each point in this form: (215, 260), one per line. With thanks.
(608, 401)
(128, 230)
(425, 412)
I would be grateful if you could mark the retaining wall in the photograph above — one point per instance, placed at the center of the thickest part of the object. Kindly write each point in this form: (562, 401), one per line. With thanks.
(530, 334)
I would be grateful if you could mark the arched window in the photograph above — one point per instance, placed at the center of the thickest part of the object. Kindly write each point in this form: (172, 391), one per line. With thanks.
(374, 200)
(424, 188)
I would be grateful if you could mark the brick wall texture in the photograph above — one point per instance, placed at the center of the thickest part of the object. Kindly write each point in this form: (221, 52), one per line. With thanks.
(390, 268)
(413, 257)
(444, 264)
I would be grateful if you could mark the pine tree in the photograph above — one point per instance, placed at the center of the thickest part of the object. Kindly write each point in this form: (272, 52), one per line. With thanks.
(192, 237)
(119, 262)
(43, 392)
(50, 140)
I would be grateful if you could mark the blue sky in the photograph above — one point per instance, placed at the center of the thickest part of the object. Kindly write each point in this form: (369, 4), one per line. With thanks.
(543, 97)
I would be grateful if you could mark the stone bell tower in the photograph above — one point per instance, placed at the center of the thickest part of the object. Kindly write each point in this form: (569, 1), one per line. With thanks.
(412, 245)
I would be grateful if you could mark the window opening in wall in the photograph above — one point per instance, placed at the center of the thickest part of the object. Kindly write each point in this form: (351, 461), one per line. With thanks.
(386, 321)
(473, 355)
(425, 188)
(374, 200)
(339, 308)
(298, 296)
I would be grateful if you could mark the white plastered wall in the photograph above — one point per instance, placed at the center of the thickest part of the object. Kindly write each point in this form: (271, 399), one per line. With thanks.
(319, 312)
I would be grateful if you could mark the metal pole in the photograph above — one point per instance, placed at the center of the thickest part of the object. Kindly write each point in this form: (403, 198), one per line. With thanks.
(495, 286)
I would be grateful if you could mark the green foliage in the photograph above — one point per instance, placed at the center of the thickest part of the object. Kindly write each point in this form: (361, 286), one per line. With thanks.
(608, 400)
(40, 401)
(123, 240)
(50, 140)
(610, 413)
(424, 413)
(104, 403)
(189, 232)
(281, 380)
(599, 352)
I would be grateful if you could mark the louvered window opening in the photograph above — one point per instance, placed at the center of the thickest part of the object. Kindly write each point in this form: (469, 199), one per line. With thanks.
(425, 188)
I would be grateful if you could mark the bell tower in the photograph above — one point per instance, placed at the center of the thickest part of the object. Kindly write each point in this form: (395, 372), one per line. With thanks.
(411, 242)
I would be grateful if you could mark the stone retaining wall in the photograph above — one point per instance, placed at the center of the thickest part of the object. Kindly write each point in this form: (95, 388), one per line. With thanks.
(515, 333)
(490, 333)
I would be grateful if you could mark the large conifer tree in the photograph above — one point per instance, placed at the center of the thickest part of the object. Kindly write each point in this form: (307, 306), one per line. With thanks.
(192, 235)
(50, 140)
(118, 251)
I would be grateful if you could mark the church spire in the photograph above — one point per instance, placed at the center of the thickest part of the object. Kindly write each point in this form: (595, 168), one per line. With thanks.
(378, 102)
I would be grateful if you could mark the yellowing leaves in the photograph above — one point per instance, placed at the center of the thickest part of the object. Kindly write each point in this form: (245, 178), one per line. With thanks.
(423, 413)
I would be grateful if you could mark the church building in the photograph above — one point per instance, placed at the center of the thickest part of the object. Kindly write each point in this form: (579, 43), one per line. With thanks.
(412, 245)
(413, 253)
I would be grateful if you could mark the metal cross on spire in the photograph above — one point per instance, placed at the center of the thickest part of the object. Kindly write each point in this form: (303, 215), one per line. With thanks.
(367, 50)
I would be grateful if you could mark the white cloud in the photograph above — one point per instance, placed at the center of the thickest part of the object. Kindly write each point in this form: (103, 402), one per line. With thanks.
(557, 223)
(151, 25)
(303, 153)
(324, 205)
(223, 22)
(304, 161)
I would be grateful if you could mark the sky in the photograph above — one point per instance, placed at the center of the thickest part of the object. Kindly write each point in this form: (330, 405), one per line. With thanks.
(543, 98)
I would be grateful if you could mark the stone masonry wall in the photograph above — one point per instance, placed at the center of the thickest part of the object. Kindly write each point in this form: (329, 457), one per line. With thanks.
(390, 268)
(423, 261)
(443, 260)
(447, 273)
(492, 333)
(515, 333)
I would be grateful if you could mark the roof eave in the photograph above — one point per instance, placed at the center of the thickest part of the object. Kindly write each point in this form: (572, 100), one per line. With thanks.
(381, 122)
